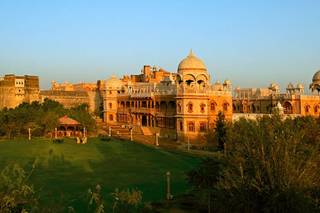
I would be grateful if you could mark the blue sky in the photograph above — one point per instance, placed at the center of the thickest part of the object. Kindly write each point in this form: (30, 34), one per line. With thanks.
(252, 43)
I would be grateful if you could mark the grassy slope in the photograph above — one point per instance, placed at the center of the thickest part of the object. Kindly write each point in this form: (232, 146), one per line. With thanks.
(66, 171)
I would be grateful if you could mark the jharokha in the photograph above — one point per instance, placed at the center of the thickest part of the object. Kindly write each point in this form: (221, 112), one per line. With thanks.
(180, 105)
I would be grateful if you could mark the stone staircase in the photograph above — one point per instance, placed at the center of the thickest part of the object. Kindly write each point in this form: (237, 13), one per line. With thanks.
(118, 130)
(146, 131)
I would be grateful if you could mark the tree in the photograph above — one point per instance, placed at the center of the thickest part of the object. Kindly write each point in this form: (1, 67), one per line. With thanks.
(81, 114)
(271, 167)
(204, 178)
(220, 131)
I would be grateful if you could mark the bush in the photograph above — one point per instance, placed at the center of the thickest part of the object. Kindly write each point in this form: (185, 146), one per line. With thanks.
(58, 141)
(16, 194)
(104, 138)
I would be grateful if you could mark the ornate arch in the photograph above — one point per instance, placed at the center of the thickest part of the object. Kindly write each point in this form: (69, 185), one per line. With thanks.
(225, 106)
(213, 106)
(189, 79)
(316, 108)
(190, 107)
(287, 107)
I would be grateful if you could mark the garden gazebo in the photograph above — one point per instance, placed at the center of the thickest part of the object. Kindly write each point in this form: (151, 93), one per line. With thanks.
(68, 127)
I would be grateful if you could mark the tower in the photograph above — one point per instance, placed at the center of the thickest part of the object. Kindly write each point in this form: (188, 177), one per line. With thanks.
(192, 100)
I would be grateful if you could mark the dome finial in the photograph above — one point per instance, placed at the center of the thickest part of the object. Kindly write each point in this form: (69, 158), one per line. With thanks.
(191, 52)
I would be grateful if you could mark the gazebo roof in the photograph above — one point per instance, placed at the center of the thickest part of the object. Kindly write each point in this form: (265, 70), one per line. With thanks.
(65, 120)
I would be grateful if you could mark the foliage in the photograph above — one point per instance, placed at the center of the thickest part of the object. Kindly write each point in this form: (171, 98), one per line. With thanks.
(16, 194)
(127, 200)
(57, 140)
(96, 203)
(105, 138)
(217, 137)
(80, 113)
(271, 165)
(40, 118)
(204, 178)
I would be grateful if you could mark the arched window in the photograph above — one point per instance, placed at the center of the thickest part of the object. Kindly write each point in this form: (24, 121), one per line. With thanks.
(110, 117)
(181, 125)
(203, 126)
(316, 109)
(307, 108)
(287, 107)
(110, 105)
(190, 107)
(191, 127)
(202, 108)
(213, 106)
(225, 106)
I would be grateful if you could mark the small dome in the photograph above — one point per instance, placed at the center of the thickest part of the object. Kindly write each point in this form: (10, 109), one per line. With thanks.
(227, 82)
(290, 86)
(300, 86)
(316, 77)
(113, 82)
(191, 63)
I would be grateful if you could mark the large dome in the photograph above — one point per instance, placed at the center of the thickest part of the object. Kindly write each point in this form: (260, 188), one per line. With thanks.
(191, 63)
(316, 77)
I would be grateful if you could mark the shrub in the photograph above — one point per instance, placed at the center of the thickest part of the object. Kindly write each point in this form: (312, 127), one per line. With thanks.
(58, 141)
(16, 194)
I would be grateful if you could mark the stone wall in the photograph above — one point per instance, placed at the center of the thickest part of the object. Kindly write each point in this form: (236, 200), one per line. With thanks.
(67, 98)
(15, 90)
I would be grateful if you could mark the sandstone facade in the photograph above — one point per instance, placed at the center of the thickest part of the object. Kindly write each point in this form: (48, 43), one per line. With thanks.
(181, 105)
(15, 90)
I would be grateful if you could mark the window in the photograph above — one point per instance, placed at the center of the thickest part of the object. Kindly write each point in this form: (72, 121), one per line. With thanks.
(213, 106)
(307, 108)
(203, 126)
(181, 125)
(202, 108)
(225, 106)
(190, 107)
(191, 127)
(316, 109)
(110, 117)
(110, 105)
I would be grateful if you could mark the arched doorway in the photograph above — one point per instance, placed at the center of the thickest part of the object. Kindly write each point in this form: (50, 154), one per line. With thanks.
(287, 108)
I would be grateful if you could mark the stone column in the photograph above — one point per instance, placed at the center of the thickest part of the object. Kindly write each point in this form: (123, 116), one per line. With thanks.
(29, 131)
(157, 139)
(147, 116)
(168, 194)
(55, 133)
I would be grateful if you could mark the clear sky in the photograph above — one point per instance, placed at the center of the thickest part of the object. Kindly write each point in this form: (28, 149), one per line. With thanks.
(251, 43)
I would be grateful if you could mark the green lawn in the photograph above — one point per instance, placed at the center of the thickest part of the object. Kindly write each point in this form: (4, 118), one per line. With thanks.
(66, 171)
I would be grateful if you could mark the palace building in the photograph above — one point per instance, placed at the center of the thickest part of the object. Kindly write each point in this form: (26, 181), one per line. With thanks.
(178, 105)
(295, 102)
(181, 105)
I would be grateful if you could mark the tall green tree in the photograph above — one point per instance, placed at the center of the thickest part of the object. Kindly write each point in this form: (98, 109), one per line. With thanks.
(220, 131)
(271, 167)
